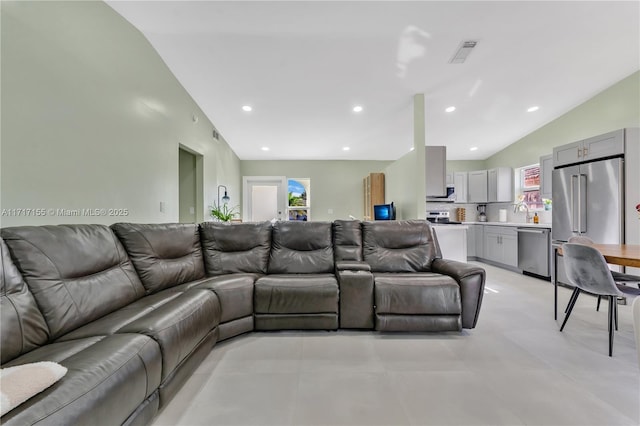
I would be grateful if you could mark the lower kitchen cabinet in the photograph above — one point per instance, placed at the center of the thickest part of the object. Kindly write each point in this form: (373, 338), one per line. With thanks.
(475, 241)
(501, 245)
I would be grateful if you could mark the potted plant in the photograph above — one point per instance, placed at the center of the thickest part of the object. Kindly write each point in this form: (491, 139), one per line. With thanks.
(223, 213)
(547, 203)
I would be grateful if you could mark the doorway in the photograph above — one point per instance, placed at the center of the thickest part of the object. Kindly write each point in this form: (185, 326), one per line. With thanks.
(190, 195)
(264, 198)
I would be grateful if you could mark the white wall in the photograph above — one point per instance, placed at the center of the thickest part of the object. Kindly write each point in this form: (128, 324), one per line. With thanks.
(92, 118)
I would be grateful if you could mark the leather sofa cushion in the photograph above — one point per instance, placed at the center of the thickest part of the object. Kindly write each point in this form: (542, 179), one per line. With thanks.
(111, 323)
(398, 246)
(301, 248)
(235, 248)
(165, 254)
(179, 325)
(235, 293)
(22, 326)
(416, 293)
(76, 273)
(296, 294)
(108, 377)
(347, 235)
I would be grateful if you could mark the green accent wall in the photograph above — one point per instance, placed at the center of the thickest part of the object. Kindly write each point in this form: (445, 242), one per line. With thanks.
(336, 185)
(92, 118)
(614, 108)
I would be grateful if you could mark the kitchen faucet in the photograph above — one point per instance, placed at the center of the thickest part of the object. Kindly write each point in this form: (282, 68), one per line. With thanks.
(518, 206)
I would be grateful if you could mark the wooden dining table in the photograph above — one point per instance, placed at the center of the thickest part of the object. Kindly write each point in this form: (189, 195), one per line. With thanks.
(615, 254)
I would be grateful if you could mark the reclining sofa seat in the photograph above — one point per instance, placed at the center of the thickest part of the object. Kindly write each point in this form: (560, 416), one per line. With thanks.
(300, 290)
(91, 298)
(237, 254)
(414, 289)
(168, 258)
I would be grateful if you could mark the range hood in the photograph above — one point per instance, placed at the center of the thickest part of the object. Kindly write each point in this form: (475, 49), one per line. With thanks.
(435, 173)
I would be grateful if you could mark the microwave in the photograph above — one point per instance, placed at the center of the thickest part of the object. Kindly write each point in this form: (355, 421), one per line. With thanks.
(449, 198)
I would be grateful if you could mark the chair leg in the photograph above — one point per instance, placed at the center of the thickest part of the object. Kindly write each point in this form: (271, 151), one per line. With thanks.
(572, 302)
(573, 296)
(612, 302)
(615, 305)
(598, 305)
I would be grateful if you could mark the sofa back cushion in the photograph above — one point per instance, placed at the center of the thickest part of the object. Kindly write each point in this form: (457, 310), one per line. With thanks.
(76, 273)
(398, 246)
(164, 254)
(235, 248)
(347, 240)
(22, 326)
(301, 248)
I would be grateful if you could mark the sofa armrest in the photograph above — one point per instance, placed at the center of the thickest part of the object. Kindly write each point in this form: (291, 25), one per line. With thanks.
(471, 279)
(352, 265)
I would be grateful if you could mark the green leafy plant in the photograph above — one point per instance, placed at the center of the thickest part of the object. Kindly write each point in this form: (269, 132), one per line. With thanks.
(223, 213)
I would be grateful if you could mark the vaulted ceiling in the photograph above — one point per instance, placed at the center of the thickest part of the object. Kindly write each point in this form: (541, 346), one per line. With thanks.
(303, 66)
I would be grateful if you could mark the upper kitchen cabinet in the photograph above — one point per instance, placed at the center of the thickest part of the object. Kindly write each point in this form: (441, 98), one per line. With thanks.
(546, 172)
(460, 185)
(606, 145)
(500, 181)
(477, 187)
(450, 179)
(435, 170)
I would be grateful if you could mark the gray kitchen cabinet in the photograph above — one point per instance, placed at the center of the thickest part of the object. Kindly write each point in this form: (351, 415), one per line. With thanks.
(601, 146)
(471, 241)
(479, 240)
(477, 186)
(500, 185)
(449, 178)
(460, 183)
(501, 245)
(546, 172)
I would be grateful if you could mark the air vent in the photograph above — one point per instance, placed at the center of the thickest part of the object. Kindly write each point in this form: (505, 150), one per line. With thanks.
(463, 51)
(216, 135)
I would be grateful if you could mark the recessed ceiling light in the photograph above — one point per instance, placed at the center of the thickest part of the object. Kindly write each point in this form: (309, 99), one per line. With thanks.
(265, 148)
(246, 108)
(450, 109)
(533, 108)
(357, 108)
(412, 148)
(473, 148)
(345, 148)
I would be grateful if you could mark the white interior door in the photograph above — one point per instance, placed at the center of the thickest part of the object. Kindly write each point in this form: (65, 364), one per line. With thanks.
(264, 198)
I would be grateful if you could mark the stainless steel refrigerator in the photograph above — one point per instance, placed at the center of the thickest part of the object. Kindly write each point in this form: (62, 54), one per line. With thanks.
(588, 200)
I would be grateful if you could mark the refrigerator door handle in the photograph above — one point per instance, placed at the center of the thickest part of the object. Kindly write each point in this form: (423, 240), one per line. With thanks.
(582, 206)
(574, 179)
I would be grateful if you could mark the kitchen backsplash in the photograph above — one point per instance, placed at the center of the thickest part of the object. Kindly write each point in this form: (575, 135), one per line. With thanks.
(493, 212)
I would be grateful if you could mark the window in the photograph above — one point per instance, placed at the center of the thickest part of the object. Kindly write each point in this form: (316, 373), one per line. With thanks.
(299, 205)
(528, 187)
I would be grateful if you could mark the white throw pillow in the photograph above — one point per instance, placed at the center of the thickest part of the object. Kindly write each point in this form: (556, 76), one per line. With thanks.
(19, 383)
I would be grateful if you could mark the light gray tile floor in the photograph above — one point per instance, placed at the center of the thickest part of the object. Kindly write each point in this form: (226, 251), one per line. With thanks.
(514, 368)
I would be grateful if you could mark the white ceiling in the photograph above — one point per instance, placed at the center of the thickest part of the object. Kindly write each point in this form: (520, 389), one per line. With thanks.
(303, 65)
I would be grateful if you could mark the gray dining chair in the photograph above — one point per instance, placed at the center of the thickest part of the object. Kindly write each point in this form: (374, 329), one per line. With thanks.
(587, 270)
(619, 277)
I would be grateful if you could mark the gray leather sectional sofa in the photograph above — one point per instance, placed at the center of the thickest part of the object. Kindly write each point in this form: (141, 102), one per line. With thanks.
(132, 309)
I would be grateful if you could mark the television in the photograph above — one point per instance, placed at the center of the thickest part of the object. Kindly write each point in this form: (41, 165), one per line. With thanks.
(384, 212)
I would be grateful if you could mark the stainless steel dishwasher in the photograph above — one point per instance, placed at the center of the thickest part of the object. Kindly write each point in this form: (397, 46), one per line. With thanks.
(534, 251)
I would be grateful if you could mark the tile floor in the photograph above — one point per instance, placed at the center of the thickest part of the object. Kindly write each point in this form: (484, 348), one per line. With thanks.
(514, 368)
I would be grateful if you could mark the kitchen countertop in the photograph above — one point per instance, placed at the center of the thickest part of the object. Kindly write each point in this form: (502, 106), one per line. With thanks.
(516, 224)
(451, 225)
